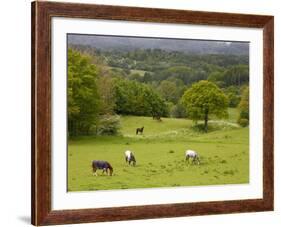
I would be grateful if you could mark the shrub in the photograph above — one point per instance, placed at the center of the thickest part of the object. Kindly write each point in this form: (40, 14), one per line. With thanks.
(244, 114)
(243, 119)
(178, 111)
(243, 122)
(109, 125)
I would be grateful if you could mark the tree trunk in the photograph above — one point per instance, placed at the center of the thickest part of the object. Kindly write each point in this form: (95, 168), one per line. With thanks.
(206, 120)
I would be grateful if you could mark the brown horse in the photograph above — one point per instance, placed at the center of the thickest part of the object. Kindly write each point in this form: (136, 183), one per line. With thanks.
(139, 130)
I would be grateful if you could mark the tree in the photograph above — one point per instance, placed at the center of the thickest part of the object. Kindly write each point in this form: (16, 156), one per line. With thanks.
(216, 77)
(82, 94)
(236, 75)
(205, 98)
(184, 73)
(233, 95)
(244, 108)
(168, 91)
(178, 111)
(158, 106)
(106, 94)
(134, 98)
(136, 77)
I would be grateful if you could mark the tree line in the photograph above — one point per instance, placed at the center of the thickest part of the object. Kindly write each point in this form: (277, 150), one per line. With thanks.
(95, 97)
(97, 92)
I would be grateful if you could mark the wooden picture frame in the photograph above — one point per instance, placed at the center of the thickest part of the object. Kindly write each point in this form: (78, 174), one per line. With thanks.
(42, 13)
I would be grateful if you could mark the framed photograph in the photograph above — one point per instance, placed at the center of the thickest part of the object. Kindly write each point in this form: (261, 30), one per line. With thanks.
(142, 113)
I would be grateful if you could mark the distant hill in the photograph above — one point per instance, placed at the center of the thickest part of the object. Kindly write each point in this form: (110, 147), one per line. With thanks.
(183, 45)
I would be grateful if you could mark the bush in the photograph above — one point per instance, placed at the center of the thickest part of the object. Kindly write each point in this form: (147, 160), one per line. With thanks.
(243, 122)
(109, 125)
(178, 111)
(244, 114)
(233, 100)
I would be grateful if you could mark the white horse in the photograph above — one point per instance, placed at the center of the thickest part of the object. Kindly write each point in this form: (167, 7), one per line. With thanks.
(193, 155)
(129, 157)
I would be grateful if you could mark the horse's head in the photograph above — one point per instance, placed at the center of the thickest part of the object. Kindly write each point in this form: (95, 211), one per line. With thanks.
(110, 171)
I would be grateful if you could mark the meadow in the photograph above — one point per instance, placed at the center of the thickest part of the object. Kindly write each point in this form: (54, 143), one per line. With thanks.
(224, 153)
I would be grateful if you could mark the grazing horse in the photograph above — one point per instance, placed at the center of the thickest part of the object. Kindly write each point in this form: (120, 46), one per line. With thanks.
(139, 130)
(193, 155)
(158, 118)
(104, 165)
(129, 157)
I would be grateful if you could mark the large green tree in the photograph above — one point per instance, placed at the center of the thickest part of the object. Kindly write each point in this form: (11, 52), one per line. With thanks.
(82, 94)
(203, 99)
(169, 91)
(134, 98)
(106, 93)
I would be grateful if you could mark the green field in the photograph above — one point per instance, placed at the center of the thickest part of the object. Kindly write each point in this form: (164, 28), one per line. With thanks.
(132, 71)
(224, 153)
(140, 72)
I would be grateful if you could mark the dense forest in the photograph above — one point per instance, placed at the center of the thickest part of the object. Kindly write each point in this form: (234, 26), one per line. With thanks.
(104, 84)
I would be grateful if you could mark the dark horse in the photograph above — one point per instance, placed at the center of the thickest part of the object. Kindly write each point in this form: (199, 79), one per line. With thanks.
(139, 130)
(104, 165)
(158, 118)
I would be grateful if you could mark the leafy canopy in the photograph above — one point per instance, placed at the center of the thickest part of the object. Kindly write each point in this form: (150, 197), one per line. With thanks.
(205, 98)
(82, 94)
(244, 107)
(134, 98)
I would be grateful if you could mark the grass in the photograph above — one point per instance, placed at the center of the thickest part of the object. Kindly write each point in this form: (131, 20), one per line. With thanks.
(224, 153)
(233, 115)
(132, 71)
(140, 72)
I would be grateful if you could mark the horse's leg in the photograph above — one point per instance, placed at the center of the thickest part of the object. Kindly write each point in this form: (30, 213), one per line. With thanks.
(196, 160)
(193, 160)
(95, 172)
